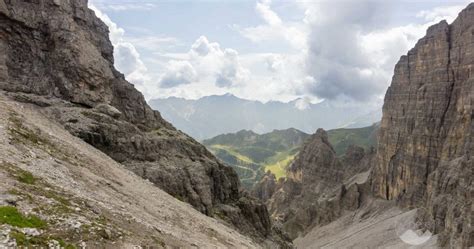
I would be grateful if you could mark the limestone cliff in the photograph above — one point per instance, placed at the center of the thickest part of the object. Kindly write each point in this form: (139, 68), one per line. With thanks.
(425, 144)
(56, 54)
(318, 187)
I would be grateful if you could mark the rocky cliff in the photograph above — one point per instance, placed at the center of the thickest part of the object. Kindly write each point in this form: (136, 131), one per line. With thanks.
(425, 144)
(318, 187)
(56, 54)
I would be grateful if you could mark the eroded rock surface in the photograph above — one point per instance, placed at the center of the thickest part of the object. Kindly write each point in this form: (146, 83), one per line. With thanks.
(425, 144)
(57, 55)
(318, 187)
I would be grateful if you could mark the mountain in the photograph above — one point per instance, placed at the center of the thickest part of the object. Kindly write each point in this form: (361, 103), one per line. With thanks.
(252, 155)
(214, 115)
(417, 188)
(317, 188)
(56, 58)
(343, 138)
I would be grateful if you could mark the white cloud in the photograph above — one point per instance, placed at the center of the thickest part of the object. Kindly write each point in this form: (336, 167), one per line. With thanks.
(438, 14)
(263, 8)
(154, 43)
(275, 29)
(109, 5)
(205, 62)
(335, 50)
(178, 73)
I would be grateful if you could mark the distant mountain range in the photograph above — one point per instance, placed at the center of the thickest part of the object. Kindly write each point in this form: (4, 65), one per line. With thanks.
(251, 154)
(219, 114)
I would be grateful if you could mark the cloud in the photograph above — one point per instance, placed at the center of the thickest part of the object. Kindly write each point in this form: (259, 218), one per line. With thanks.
(154, 43)
(120, 5)
(438, 14)
(205, 62)
(336, 50)
(178, 73)
(127, 58)
(274, 28)
(352, 50)
(263, 8)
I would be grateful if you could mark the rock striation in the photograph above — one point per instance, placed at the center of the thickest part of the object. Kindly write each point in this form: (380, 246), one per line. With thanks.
(425, 144)
(319, 186)
(57, 55)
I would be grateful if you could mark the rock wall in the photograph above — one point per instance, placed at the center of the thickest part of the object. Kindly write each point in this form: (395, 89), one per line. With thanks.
(57, 55)
(425, 140)
(318, 187)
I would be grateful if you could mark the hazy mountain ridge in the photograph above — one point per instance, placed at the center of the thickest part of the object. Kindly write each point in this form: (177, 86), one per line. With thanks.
(219, 114)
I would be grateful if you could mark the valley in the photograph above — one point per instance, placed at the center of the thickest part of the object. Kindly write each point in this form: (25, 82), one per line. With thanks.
(87, 162)
(252, 154)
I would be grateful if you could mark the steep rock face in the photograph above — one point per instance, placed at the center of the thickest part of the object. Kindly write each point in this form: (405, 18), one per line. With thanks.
(425, 140)
(57, 55)
(267, 186)
(318, 187)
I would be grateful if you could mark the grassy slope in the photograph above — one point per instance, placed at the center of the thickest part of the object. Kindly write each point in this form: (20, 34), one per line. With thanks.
(252, 154)
(343, 138)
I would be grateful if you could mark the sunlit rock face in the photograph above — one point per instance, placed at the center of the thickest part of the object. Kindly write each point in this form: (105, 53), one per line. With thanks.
(425, 148)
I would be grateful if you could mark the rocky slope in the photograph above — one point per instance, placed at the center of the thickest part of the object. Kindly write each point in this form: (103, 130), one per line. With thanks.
(78, 196)
(425, 145)
(56, 54)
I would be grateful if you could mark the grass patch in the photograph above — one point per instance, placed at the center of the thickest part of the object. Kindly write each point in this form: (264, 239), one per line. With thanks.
(232, 152)
(29, 242)
(10, 215)
(70, 246)
(20, 133)
(158, 241)
(19, 174)
(25, 177)
(278, 168)
(20, 238)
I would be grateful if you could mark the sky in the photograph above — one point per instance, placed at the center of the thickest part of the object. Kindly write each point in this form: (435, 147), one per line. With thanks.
(341, 50)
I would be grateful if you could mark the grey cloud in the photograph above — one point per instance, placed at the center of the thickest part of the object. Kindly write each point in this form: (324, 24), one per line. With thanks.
(178, 73)
(336, 58)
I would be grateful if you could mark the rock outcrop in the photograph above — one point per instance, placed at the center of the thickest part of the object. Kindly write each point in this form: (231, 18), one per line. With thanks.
(57, 55)
(267, 186)
(424, 157)
(318, 187)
